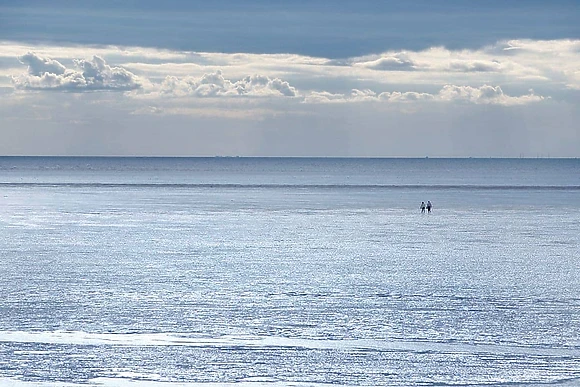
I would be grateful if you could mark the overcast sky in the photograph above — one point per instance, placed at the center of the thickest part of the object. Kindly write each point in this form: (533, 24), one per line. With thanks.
(290, 78)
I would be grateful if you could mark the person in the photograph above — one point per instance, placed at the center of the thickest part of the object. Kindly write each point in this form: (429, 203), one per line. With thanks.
(429, 205)
(422, 207)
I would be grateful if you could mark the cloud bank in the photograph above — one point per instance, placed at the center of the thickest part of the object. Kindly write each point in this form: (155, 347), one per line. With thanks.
(91, 75)
(502, 74)
(512, 98)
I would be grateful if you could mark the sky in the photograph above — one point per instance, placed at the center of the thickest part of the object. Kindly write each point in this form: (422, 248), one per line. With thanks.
(300, 78)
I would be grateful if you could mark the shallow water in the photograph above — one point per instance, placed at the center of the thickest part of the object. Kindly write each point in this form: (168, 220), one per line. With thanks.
(289, 272)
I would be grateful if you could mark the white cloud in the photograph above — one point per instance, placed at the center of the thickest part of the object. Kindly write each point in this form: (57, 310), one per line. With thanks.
(517, 46)
(409, 96)
(484, 95)
(475, 66)
(215, 84)
(324, 97)
(14, 49)
(37, 65)
(96, 74)
(390, 62)
(355, 95)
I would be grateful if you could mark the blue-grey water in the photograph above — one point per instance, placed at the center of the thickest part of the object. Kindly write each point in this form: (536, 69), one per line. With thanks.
(289, 272)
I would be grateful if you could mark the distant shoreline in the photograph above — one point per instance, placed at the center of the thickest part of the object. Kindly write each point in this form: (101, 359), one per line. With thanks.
(286, 157)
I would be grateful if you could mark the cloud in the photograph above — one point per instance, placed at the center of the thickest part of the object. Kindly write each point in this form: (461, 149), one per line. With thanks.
(37, 65)
(367, 96)
(475, 66)
(409, 96)
(215, 84)
(95, 74)
(518, 46)
(355, 95)
(324, 97)
(484, 95)
(394, 62)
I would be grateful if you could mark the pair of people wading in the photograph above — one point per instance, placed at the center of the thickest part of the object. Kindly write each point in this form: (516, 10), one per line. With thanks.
(428, 206)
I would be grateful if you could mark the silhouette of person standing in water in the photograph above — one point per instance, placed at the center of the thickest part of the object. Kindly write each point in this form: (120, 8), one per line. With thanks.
(422, 207)
(429, 206)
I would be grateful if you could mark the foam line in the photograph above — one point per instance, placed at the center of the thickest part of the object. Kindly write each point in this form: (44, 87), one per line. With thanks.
(190, 340)
(131, 382)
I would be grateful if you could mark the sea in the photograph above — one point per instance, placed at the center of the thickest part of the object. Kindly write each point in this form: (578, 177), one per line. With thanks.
(244, 272)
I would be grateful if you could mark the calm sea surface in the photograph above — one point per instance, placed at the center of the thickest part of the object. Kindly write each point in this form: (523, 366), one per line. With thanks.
(289, 272)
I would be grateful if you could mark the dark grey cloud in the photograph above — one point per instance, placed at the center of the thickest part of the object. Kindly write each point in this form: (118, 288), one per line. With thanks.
(332, 29)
